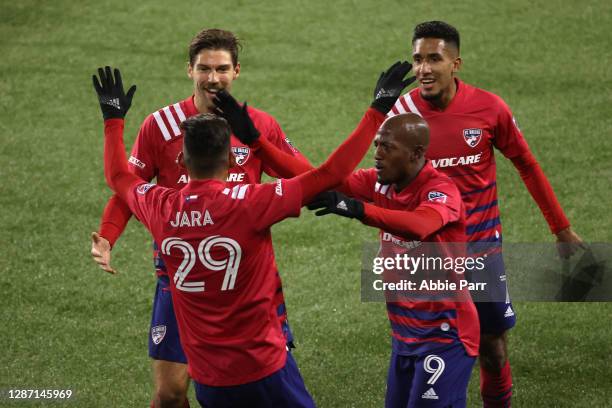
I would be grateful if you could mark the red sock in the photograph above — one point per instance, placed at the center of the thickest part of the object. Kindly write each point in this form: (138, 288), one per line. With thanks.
(496, 388)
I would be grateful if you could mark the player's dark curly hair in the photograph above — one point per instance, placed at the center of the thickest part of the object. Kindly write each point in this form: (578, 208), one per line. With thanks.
(437, 29)
(206, 142)
(214, 39)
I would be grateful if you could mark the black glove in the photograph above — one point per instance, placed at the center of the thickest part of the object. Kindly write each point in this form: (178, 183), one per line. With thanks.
(237, 117)
(114, 102)
(337, 203)
(390, 86)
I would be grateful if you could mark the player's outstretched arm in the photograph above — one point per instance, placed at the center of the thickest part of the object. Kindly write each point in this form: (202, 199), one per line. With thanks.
(541, 191)
(417, 224)
(115, 103)
(114, 219)
(347, 156)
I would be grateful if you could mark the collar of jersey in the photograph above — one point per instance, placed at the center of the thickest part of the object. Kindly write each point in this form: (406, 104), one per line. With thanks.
(203, 185)
(189, 106)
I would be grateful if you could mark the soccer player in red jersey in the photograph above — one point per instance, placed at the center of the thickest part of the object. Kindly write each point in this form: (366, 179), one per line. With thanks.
(215, 241)
(434, 341)
(466, 123)
(213, 66)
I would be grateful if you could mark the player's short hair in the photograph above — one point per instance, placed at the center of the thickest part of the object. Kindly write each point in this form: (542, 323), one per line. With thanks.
(206, 142)
(437, 29)
(214, 39)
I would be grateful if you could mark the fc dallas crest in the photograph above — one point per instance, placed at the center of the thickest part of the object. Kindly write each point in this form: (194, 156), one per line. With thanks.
(472, 136)
(241, 153)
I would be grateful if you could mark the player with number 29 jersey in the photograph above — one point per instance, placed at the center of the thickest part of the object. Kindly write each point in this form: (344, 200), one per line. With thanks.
(229, 339)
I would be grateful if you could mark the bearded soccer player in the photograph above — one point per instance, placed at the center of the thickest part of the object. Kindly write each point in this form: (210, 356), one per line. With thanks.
(216, 243)
(466, 123)
(213, 66)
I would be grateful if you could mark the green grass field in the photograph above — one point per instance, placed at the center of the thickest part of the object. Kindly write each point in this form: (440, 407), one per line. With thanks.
(66, 324)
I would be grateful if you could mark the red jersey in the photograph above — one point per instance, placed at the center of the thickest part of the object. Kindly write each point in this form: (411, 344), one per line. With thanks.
(215, 241)
(462, 138)
(160, 140)
(422, 326)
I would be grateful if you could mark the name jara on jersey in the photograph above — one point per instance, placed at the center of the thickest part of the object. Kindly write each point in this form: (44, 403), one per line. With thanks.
(192, 219)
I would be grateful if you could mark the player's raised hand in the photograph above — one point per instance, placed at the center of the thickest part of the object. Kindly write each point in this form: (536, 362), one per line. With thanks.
(237, 116)
(333, 202)
(390, 85)
(114, 102)
(568, 243)
(101, 252)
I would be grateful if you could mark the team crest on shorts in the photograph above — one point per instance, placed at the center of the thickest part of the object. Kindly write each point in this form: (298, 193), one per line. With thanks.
(158, 333)
(241, 154)
(472, 136)
(436, 196)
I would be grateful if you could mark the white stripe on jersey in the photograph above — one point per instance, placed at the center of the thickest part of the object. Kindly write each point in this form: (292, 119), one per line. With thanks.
(384, 189)
(175, 128)
(179, 112)
(411, 104)
(235, 191)
(161, 125)
(242, 191)
(398, 105)
(376, 187)
(226, 191)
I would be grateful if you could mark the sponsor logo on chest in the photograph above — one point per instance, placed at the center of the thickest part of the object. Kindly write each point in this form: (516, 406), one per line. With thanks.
(231, 177)
(456, 161)
(472, 136)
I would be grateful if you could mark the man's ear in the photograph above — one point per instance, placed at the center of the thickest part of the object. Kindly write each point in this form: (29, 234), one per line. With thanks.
(419, 151)
(232, 159)
(457, 65)
(189, 70)
(180, 160)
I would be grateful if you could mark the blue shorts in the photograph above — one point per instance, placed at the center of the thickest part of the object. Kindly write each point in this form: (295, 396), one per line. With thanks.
(431, 380)
(284, 388)
(496, 314)
(164, 341)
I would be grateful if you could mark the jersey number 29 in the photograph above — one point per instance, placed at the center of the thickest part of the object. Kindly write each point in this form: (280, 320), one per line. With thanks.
(230, 264)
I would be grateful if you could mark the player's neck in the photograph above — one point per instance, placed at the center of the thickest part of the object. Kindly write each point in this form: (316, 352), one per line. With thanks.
(399, 186)
(200, 104)
(217, 175)
(446, 98)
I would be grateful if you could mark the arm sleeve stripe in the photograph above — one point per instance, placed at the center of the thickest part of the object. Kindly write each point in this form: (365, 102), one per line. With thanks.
(242, 191)
(179, 112)
(397, 108)
(170, 118)
(161, 125)
(411, 104)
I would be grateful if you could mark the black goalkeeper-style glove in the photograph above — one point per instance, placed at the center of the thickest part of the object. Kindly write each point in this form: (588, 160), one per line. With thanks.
(237, 116)
(333, 202)
(390, 86)
(114, 102)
